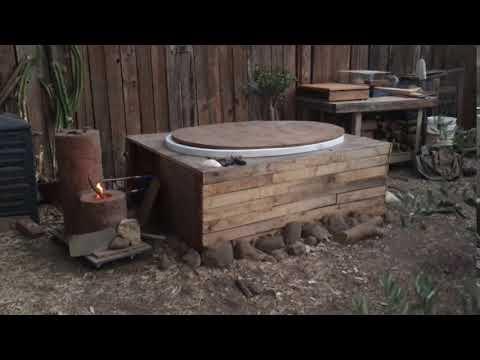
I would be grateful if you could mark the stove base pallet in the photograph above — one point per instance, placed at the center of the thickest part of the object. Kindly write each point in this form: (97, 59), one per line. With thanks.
(101, 258)
(104, 257)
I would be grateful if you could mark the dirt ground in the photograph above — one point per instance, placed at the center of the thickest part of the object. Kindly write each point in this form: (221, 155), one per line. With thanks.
(38, 277)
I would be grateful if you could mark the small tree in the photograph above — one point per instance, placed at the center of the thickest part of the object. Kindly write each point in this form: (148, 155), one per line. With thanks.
(270, 86)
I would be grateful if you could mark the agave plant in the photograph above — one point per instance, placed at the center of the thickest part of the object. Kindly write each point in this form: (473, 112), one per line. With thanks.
(471, 299)
(426, 293)
(65, 98)
(397, 301)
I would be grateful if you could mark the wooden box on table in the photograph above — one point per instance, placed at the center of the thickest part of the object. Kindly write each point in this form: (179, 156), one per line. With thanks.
(208, 205)
(335, 91)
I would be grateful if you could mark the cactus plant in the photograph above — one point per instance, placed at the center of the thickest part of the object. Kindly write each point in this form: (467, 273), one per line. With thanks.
(64, 98)
(17, 84)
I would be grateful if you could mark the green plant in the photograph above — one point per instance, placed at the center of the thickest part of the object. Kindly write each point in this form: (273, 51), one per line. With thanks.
(396, 300)
(465, 140)
(426, 294)
(271, 85)
(471, 299)
(64, 97)
(426, 203)
(360, 305)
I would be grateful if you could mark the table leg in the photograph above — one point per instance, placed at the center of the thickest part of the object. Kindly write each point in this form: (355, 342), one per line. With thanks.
(418, 132)
(357, 124)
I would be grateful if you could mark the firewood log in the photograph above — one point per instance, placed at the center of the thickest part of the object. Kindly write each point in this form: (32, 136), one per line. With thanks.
(361, 231)
(335, 223)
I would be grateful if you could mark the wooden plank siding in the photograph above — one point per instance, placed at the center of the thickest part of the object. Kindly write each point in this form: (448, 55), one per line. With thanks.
(131, 89)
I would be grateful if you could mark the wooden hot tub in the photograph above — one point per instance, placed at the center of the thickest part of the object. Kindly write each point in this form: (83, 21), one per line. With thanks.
(328, 171)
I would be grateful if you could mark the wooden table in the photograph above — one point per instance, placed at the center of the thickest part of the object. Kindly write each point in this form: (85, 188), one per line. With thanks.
(373, 104)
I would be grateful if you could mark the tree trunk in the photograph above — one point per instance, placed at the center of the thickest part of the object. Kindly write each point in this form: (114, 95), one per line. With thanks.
(271, 107)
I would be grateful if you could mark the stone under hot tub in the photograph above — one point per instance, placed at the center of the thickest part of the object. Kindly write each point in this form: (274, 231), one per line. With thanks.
(294, 171)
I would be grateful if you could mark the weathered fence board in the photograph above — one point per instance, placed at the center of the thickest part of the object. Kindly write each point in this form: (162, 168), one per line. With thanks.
(145, 88)
(225, 62)
(8, 62)
(116, 105)
(85, 114)
(359, 57)
(404, 58)
(289, 64)
(101, 104)
(379, 57)
(160, 92)
(304, 64)
(133, 89)
(328, 60)
(240, 82)
(213, 97)
(130, 89)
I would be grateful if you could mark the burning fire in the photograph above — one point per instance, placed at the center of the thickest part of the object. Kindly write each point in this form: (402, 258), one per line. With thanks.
(100, 191)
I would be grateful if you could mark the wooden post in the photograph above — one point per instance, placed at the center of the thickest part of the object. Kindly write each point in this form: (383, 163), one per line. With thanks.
(418, 132)
(477, 195)
(357, 124)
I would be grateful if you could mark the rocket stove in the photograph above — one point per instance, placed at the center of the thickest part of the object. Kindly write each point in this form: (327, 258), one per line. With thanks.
(91, 212)
(294, 171)
(101, 209)
(79, 157)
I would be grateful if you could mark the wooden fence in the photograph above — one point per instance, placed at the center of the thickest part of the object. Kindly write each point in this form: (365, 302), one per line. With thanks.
(133, 89)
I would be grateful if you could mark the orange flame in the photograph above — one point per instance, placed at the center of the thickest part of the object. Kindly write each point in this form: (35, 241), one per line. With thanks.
(101, 191)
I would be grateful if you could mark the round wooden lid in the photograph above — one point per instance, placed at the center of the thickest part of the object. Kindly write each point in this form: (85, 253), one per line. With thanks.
(257, 134)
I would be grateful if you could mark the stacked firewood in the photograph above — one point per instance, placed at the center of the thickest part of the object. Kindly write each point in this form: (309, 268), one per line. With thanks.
(296, 238)
(392, 128)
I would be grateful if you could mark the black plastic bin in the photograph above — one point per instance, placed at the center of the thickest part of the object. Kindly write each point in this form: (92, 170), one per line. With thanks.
(18, 185)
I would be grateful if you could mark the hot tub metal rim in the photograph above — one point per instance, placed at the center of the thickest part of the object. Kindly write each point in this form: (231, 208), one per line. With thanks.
(249, 153)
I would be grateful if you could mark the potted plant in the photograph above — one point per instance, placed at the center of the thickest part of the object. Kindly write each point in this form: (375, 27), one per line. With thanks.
(64, 97)
(270, 86)
(77, 153)
(70, 146)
